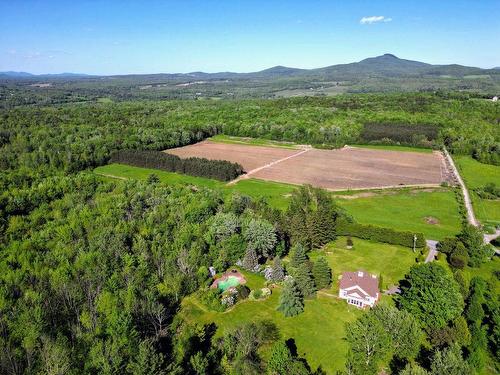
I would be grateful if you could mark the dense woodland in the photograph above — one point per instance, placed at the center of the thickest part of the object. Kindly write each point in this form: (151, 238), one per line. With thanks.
(92, 272)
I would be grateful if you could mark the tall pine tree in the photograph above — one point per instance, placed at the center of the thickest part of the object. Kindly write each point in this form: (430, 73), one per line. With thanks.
(291, 302)
(277, 272)
(298, 256)
(250, 261)
(322, 273)
(304, 279)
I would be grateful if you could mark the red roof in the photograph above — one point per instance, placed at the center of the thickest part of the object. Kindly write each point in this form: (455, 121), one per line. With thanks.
(362, 280)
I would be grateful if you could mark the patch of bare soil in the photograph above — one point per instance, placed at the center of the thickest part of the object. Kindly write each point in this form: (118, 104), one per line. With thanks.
(341, 169)
(431, 220)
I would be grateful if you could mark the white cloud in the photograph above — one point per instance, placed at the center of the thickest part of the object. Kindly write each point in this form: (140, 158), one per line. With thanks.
(374, 19)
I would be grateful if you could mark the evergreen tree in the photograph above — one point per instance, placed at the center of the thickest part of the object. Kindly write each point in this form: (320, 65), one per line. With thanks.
(413, 369)
(280, 358)
(250, 261)
(147, 361)
(291, 302)
(304, 279)
(322, 273)
(277, 272)
(298, 256)
(153, 179)
(450, 362)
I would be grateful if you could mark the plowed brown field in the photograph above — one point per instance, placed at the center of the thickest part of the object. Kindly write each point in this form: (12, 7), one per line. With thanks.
(346, 168)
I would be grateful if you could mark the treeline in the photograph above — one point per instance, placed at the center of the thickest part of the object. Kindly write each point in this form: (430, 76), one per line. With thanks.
(218, 169)
(346, 227)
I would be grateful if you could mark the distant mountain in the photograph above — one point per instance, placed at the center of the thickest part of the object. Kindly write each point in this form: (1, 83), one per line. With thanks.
(386, 65)
(16, 74)
(12, 74)
(278, 71)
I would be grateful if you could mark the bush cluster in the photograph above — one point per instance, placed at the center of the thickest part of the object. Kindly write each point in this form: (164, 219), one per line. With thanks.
(379, 234)
(218, 169)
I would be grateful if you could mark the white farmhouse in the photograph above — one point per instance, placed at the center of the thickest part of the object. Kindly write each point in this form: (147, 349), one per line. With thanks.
(359, 289)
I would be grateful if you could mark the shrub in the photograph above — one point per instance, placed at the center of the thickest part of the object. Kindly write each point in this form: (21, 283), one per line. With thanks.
(349, 242)
(212, 299)
(242, 292)
(256, 294)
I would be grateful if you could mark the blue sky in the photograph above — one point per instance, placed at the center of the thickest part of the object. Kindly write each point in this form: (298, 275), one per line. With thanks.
(115, 37)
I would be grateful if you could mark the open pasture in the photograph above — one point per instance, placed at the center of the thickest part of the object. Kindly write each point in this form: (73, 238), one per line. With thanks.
(341, 169)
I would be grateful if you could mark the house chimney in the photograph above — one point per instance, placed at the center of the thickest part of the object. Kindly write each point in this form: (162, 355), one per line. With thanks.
(360, 273)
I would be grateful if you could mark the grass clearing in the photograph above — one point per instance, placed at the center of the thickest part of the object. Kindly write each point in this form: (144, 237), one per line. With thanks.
(411, 210)
(476, 174)
(390, 261)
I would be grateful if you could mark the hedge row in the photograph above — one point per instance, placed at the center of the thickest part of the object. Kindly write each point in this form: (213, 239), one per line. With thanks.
(218, 169)
(379, 234)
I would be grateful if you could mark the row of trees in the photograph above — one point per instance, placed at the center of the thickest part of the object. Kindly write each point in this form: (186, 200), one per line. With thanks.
(218, 169)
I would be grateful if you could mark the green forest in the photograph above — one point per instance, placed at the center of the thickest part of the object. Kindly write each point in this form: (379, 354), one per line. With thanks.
(111, 276)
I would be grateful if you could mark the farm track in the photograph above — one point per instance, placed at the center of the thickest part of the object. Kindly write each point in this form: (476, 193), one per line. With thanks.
(471, 218)
(253, 171)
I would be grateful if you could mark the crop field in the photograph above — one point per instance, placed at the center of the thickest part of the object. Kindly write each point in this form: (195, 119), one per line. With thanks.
(341, 169)
(249, 156)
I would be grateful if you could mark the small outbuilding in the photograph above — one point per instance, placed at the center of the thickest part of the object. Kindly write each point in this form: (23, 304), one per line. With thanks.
(359, 289)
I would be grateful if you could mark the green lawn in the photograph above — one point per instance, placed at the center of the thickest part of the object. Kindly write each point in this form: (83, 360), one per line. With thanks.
(408, 210)
(276, 194)
(390, 261)
(221, 138)
(476, 174)
(318, 331)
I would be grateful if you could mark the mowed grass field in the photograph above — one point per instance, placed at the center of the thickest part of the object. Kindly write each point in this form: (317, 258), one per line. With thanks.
(475, 175)
(392, 262)
(407, 209)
